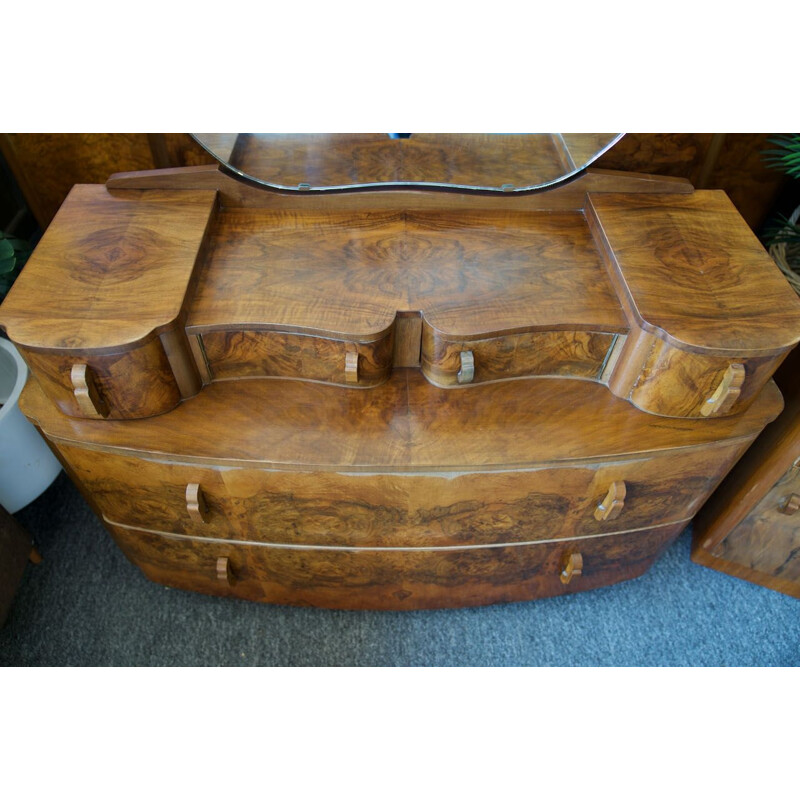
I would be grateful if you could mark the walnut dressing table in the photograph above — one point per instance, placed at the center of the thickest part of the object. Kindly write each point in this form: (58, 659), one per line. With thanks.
(398, 397)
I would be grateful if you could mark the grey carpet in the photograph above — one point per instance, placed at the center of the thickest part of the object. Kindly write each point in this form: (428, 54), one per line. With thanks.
(87, 605)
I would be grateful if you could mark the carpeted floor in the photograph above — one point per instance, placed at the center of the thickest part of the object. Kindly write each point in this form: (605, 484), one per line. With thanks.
(87, 605)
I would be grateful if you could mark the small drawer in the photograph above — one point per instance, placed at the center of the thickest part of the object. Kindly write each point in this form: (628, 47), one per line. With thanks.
(251, 354)
(660, 378)
(450, 362)
(127, 385)
(383, 579)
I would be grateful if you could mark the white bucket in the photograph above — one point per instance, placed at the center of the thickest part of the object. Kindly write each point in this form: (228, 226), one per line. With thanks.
(27, 467)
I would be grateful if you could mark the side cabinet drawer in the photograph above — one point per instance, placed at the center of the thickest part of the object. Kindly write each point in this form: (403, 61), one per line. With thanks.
(391, 579)
(126, 385)
(400, 510)
(250, 354)
(577, 354)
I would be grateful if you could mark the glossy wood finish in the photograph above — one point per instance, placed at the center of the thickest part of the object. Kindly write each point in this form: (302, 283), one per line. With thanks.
(405, 424)
(577, 354)
(684, 269)
(110, 272)
(393, 508)
(125, 385)
(248, 354)
(382, 579)
(467, 274)
(662, 379)
(746, 529)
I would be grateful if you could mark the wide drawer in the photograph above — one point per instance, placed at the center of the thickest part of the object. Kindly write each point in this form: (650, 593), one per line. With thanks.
(383, 579)
(401, 509)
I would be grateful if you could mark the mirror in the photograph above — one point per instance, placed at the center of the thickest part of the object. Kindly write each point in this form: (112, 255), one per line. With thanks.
(494, 162)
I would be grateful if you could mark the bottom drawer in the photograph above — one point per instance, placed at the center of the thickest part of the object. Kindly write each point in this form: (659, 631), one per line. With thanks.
(392, 578)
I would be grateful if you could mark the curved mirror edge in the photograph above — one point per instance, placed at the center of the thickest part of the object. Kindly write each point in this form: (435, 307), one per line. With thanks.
(375, 161)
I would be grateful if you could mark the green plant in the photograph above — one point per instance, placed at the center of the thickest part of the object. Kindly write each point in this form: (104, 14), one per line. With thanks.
(782, 235)
(14, 253)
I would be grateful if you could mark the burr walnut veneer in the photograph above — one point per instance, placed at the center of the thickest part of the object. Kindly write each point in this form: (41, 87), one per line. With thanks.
(398, 399)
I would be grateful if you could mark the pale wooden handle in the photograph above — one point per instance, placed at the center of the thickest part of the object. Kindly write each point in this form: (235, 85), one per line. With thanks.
(727, 393)
(87, 395)
(573, 565)
(791, 505)
(351, 366)
(196, 503)
(467, 372)
(613, 503)
(225, 571)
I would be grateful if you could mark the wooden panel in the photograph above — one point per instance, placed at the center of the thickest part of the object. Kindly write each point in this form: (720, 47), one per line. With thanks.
(110, 271)
(406, 422)
(766, 544)
(576, 354)
(47, 165)
(689, 270)
(391, 579)
(400, 510)
(238, 354)
(131, 384)
(348, 275)
(661, 379)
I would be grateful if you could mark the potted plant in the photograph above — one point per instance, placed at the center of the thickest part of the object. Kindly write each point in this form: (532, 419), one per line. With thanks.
(783, 235)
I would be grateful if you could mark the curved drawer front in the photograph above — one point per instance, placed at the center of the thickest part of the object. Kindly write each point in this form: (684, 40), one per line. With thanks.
(357, 509)
(392, 579)
(678, 383)
(251, 354)
(127, 385)
(576, 354)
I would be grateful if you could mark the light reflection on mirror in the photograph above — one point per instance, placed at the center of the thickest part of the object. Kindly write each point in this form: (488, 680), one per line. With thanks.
(507, 162)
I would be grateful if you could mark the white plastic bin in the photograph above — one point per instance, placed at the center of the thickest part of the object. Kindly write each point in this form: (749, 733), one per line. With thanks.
(27, 467)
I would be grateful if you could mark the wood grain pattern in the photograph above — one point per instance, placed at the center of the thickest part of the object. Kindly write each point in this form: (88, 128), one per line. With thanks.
(576, 354)
(662, 379)
(248, 354)
(390, 580)
(688, 269)
(129, 384)
(348, 275)
(398, 509)
(110, 271)
(404, 423)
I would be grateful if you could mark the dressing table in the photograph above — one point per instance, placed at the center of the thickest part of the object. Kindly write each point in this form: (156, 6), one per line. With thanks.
(399, 371)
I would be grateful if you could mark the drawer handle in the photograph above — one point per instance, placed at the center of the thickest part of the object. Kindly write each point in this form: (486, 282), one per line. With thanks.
(467, 371)
(573, 565)
(87, 395)
(613, 503)
(196, 503)
(225, 572)
(791, 505)
(727, 393)
(351, 366)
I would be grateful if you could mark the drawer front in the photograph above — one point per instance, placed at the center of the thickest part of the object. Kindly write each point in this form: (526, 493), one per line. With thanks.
(405, 509)
(577, 354)
(767, 540)
(662, 379)
(392, 579)
(251, 354)
(128, 385)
